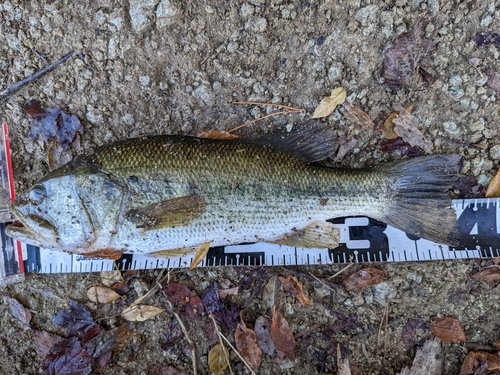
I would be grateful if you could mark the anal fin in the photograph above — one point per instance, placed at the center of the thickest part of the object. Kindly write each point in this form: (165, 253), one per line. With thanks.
(319, 234)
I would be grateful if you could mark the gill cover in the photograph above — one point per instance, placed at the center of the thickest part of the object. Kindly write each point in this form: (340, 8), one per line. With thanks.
(74, 208)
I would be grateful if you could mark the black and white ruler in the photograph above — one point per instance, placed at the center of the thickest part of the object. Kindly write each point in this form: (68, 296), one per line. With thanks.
(362, 240)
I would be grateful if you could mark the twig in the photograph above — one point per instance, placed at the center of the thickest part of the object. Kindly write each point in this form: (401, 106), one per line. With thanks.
(151, 291)
(34, 76)
(221, 342)
(186, 335)
(375, 329)
(342, 270)
(386, 312)
(261, 118)
(308, 330)
(322, 283)
(292, 109)
(232, 347)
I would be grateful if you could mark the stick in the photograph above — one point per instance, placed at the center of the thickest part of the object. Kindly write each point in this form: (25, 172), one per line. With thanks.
(342, 270)
(261, 118)
(186, 335)
(41, 72)
(151, 291)
(322, 283)
(221, 343)
(232, 347)
(292, 109)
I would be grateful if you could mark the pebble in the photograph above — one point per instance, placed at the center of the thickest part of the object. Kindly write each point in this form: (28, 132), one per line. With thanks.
(144, 80)
(141, 13)
(456, 81)
(495, 152)
(383, 292)
(450, 127)
(166, 13)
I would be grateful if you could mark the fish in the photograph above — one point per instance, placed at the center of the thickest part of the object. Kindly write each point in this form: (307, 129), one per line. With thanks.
(169, 195)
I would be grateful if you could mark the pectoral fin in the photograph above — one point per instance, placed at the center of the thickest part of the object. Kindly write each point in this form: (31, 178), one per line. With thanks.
(168, 214)
(319, 234)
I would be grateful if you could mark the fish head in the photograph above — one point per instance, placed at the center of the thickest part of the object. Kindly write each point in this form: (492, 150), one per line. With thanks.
(59, 212)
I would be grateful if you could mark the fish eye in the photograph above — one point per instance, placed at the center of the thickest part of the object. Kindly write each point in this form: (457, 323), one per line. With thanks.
(37, 194)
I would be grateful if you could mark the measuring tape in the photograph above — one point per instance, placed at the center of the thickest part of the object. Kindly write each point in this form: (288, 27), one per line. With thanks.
(362, 239)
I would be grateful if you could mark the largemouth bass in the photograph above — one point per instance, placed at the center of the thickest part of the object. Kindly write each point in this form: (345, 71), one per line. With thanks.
(169, 195)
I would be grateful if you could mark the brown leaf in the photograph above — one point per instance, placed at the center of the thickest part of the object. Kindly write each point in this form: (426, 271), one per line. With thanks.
(356, 115)
(272, 293)
(19, 312)
(415, 332)
(246, 343)
(389, 132)
(183, 300)
(404, 63)
(447, 329)
(406, 126)
(102, 294)
(293, 286)
(364, 277)
(110, 340)
(282, 335)
(476, 360)
(45, 341)
(346, 145)
(227, 290)
(489, 274)
(200, 254)
(68, 358)
(493, 189)
(109, 278)
(328, 104)
(216, 134)
(217, 359)
(140, 313)
(262, 329)
(493, 80)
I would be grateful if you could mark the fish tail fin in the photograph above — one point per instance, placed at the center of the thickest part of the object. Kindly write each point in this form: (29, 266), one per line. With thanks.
(420, 204)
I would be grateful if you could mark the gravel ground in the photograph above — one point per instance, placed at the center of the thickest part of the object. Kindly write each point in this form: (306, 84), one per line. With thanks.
(164, 66)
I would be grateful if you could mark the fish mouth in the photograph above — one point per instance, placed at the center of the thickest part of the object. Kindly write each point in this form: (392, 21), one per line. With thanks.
(32, 230)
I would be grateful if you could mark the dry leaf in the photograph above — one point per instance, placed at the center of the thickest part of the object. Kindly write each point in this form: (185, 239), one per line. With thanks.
(364, 277)
(45, 341)
(489, 274)
(109, 278)
(200, 254)
(216, 134)
(389, 132)
(328, 104)
(262, 329)
(343, 367)
(19, 312)
(140, 313)
(356, 115)
(493, 189)
(223, 293)
(246, 343)
(346, 145)
(406, 126)
(217, 359)
(428, 360)
(447, 329)
(475, 360)
(282, 335)
(404, 62)
(272, 293)
(293, 286)
(102, 294)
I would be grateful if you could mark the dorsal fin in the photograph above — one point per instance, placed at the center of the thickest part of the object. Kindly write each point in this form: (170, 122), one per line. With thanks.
(309, 142)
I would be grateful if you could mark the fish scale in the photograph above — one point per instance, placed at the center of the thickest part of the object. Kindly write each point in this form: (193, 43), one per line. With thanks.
(169, 195)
